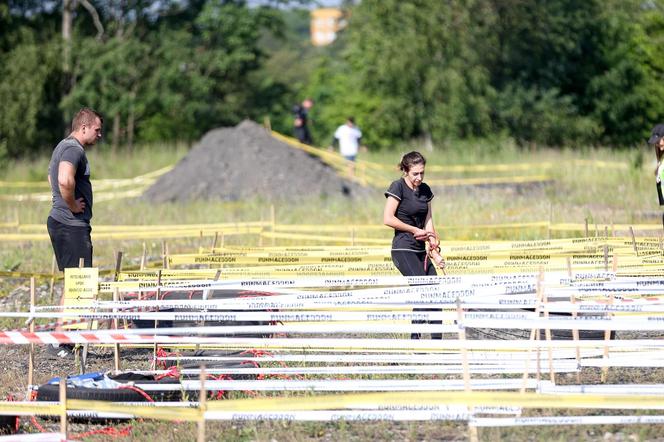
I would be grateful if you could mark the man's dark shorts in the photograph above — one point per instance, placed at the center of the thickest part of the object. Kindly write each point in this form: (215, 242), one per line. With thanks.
(70, 243)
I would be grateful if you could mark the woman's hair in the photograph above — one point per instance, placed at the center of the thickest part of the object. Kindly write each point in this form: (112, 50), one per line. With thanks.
(658, 153)
(411, 159)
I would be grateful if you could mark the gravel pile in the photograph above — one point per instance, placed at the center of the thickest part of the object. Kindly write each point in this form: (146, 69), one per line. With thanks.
(244, 162)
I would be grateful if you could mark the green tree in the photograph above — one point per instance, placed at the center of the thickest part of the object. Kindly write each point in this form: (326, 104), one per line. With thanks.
(28, 76)
(628, 97)
(415, 66)
(177, 82)
(584, 71)
(109, 79)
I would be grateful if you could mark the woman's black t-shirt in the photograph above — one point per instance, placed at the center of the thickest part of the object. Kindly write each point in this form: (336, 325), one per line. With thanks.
(412, 209)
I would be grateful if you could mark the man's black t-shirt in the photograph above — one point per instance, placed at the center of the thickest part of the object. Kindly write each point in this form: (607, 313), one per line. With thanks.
(412, 209)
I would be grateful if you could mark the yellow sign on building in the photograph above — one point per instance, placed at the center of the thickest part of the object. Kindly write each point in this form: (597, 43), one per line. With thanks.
(325, 23)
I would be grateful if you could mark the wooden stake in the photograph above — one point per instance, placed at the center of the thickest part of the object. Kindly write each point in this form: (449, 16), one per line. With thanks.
(118, 266)
(155, 348)
(86, 346)
(534, 332)
(575, 337)
(586, 230)
(116, 347)
(164, 251)
(118, 269)
(607, 332)
(473, 435)
(606, 257)
(631, 232)
(144, 257)
(538, 362)
(63, 405)
(31, 354)
(547, 332)
(464, 350)
(607, 337)
(51, 289)
(202, 406)
(214, 241)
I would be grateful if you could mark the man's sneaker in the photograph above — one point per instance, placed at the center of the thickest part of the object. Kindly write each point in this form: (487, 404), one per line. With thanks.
(65, 351)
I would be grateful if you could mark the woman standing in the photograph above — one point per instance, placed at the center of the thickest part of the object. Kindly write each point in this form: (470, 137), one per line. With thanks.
(657, 140)
(408, 212)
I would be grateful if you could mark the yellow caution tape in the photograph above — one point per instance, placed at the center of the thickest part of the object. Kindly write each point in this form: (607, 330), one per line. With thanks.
(353, 401)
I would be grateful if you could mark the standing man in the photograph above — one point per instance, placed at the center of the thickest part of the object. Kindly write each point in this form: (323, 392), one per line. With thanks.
(348, 136)
(301, 120)
(69, 176)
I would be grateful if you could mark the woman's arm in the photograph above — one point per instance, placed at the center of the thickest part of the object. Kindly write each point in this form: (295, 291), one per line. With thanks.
(390, 219)
(431, 230)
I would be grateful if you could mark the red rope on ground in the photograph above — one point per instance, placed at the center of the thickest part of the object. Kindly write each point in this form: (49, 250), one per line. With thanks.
(257, 353)
(161, 353)
(33, 419)
(34, 422)
(107, 431)
(255, 364)
(137, 390)
(173, 372)
(220, 393)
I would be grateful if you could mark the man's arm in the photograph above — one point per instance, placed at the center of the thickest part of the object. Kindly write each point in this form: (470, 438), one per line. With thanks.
(67, 184)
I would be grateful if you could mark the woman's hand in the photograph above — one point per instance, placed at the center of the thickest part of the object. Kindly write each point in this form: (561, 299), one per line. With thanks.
(421, 235)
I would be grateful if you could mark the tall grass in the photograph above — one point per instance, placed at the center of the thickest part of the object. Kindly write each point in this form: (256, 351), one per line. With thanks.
(104, 162)
(601, 195)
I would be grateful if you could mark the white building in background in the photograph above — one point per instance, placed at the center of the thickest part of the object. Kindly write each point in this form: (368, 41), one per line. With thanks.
(325, 23)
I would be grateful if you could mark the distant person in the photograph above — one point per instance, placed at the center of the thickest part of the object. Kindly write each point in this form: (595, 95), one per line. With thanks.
(657, 140)
(69, 176)
(301, 121)
(348, 135)
(408, 212)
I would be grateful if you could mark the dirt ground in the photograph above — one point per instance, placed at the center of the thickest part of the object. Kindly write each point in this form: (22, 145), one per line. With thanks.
(13, 383)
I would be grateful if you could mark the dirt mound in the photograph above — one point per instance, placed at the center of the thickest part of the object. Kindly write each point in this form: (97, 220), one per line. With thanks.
(244, 162)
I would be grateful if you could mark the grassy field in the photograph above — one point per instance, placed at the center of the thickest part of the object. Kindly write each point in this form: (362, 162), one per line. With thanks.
(602, 186)
(598, 185)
